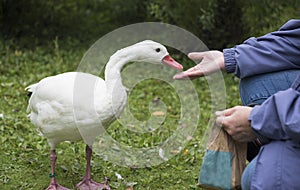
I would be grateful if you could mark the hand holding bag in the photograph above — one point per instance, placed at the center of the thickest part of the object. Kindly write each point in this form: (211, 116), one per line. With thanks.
(224, 161)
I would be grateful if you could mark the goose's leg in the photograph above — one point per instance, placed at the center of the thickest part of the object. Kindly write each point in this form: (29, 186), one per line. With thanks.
(53, 185)
(87, 183)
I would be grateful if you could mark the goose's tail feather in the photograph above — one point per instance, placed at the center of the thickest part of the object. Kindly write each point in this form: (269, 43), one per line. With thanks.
(30, 89)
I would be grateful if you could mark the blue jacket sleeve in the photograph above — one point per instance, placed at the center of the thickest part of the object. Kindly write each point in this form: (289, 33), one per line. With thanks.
(278, 117)
(275, 51)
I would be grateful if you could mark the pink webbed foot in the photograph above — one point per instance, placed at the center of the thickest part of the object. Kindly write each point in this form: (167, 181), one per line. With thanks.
(56, 187)
(89, 184)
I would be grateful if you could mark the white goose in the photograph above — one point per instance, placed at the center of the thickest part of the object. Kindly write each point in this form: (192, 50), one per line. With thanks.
(53, 110)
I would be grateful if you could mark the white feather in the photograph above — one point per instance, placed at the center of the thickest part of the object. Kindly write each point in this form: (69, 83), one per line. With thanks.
(72, 106)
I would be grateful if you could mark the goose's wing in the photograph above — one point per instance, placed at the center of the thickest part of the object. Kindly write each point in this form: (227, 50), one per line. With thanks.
(54, 101)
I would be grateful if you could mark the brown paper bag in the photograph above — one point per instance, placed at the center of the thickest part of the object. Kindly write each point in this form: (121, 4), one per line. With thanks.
(224, 161)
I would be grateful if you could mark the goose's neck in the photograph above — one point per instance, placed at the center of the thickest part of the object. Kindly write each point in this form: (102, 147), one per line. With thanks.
(113, 70)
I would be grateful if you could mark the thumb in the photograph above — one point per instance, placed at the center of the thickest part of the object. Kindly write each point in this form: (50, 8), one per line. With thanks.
(197, 55)
(225, 112)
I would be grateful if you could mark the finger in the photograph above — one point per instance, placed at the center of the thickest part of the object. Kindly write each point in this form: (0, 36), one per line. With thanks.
(185, 77)
(225, 112)
(220, 120)
(180, 76)
(191, 73)
(197, 55)
(219, 113)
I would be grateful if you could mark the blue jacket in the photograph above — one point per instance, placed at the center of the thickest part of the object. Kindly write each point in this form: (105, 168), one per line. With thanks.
(278, 118)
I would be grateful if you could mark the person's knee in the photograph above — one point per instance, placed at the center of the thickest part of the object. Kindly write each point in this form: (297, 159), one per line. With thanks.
(256, 89)
(247, 175)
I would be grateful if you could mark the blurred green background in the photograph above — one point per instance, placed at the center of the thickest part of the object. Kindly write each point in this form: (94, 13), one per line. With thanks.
(218, 23)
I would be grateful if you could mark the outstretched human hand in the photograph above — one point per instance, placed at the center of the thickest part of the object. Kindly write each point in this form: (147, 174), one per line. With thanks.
(210, 62)
(235, 122)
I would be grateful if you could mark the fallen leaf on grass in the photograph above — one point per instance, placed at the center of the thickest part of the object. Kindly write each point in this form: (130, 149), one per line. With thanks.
(158, 113)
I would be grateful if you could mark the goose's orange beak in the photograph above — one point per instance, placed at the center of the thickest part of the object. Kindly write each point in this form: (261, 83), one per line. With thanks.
(168, 60)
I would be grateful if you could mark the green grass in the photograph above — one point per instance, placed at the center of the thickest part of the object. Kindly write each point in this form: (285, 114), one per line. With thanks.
(25, 155)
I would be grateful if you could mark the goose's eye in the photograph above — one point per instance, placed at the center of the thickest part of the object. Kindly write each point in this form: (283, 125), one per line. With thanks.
(157, 50)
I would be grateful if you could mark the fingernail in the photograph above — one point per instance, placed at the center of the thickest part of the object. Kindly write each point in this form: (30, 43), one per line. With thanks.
(218, 113)
(178, 76)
